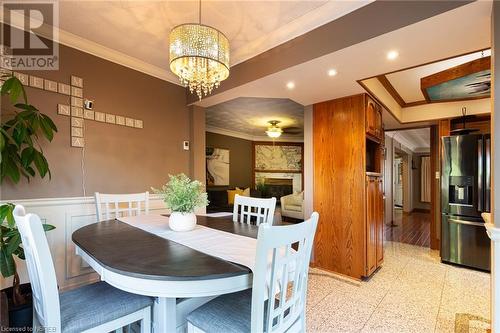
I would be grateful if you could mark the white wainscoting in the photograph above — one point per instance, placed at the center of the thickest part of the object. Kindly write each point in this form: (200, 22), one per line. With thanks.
(67, 215)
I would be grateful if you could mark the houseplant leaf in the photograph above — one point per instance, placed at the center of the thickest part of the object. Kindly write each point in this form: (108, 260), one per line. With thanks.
(7, 265)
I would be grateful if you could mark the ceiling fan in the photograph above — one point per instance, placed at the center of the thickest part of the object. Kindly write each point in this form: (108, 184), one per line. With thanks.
(275, 131)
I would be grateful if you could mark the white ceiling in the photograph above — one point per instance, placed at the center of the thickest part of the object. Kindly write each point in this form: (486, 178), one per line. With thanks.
(417, 140)
(248, 117)
(458, 31)
(407, 82)
(136, 32)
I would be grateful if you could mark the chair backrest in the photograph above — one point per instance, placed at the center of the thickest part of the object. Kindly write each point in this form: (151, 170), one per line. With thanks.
(111, 206)
(41, 270)
(248, 209)
(280, 275)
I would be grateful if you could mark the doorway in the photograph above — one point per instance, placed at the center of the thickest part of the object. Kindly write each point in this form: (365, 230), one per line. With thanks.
(407, 169)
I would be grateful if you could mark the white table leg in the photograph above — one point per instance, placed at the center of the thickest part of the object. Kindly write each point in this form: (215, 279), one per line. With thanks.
(164, 317)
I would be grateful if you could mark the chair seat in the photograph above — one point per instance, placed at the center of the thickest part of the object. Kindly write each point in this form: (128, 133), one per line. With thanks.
(230, 313)
(96, 304)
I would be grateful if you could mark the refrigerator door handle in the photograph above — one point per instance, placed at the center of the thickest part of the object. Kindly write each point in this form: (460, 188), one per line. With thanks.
(480, 166)
(477, 224)
(487, 176)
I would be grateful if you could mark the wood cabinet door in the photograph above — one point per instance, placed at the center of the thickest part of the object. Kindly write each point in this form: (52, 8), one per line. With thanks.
(378, 122)
(379, 212)
(371, 111)
(371, 225)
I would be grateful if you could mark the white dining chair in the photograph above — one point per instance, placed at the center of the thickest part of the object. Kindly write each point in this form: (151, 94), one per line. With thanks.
(93, 308)
(111, 206)
(280, 275)
(249, 209)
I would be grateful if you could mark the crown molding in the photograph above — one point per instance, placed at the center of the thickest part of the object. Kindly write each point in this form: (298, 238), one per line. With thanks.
(98, 50)
(245, 136)
(82, 44)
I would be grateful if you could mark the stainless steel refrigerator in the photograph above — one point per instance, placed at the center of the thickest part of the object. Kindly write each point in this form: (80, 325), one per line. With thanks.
(465, 194)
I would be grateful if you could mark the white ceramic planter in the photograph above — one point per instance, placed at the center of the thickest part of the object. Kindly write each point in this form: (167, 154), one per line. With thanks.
(182, 221)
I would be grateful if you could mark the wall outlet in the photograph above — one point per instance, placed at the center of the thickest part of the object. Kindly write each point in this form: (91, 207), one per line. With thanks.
(185, 145)
(437, 175)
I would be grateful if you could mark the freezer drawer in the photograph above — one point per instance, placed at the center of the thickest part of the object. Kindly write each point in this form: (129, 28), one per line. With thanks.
(465, 242)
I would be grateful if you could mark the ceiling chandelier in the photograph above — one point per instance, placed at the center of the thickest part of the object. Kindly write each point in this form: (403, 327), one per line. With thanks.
(274, 131)
(199, 56)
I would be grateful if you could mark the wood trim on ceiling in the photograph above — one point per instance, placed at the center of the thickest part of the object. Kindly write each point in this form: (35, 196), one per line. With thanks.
(391, 90)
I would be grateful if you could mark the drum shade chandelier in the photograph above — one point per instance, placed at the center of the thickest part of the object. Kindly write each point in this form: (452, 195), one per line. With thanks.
(199, 56)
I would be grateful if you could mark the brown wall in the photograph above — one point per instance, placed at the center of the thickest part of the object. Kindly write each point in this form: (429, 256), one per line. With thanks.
(240, 157)
(416, 183)
(117, 158)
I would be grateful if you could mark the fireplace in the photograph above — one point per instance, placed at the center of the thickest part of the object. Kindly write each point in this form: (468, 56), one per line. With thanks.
(277, 187)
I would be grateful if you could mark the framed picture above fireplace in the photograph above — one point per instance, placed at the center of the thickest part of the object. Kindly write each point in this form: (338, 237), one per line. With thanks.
(278, 167)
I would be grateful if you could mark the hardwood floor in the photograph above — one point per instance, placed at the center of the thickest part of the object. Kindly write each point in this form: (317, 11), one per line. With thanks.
(411, 229)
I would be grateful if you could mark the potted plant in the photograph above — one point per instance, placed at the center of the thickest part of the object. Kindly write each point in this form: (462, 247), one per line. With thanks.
(20, 155)
(182, 196)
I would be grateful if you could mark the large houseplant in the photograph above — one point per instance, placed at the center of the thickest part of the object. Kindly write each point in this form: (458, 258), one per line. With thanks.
(182, 196)
(21, 155)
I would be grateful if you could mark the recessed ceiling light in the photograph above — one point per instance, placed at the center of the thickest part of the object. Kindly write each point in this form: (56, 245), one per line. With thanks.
(290, 85)
(332, 72)
(391, 55)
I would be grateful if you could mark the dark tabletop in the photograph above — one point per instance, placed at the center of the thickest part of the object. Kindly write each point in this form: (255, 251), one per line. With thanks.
(131, 251)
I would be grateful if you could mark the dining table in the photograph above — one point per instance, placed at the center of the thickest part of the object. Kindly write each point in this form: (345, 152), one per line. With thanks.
(139, 255)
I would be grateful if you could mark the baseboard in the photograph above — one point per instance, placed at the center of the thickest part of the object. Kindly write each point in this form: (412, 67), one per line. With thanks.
(421, 210)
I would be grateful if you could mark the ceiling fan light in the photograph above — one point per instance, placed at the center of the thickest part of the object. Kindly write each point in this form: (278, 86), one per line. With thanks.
(274, 132)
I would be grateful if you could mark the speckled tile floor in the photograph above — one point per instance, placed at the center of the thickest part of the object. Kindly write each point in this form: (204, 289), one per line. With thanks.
(412, 292)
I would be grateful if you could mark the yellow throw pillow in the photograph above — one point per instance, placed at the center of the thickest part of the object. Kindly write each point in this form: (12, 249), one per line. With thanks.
(231, 194)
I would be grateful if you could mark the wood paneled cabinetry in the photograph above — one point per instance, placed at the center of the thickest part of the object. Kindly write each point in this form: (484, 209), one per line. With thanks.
(373, 119)
(374, 223)
(349, 238)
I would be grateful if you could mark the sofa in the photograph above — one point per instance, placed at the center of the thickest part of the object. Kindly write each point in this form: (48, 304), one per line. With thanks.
(292, 206)
(218, 199)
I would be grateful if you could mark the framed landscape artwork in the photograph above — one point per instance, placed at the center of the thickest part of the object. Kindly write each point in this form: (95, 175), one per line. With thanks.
(217, 166)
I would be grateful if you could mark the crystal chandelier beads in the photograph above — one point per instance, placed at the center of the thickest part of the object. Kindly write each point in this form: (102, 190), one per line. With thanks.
(199, 56)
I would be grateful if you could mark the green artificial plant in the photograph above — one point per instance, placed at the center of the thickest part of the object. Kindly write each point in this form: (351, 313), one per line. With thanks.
(182, 194)
(21, 156)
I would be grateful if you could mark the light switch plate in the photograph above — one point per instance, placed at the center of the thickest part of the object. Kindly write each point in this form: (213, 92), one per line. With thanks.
(185, 145)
